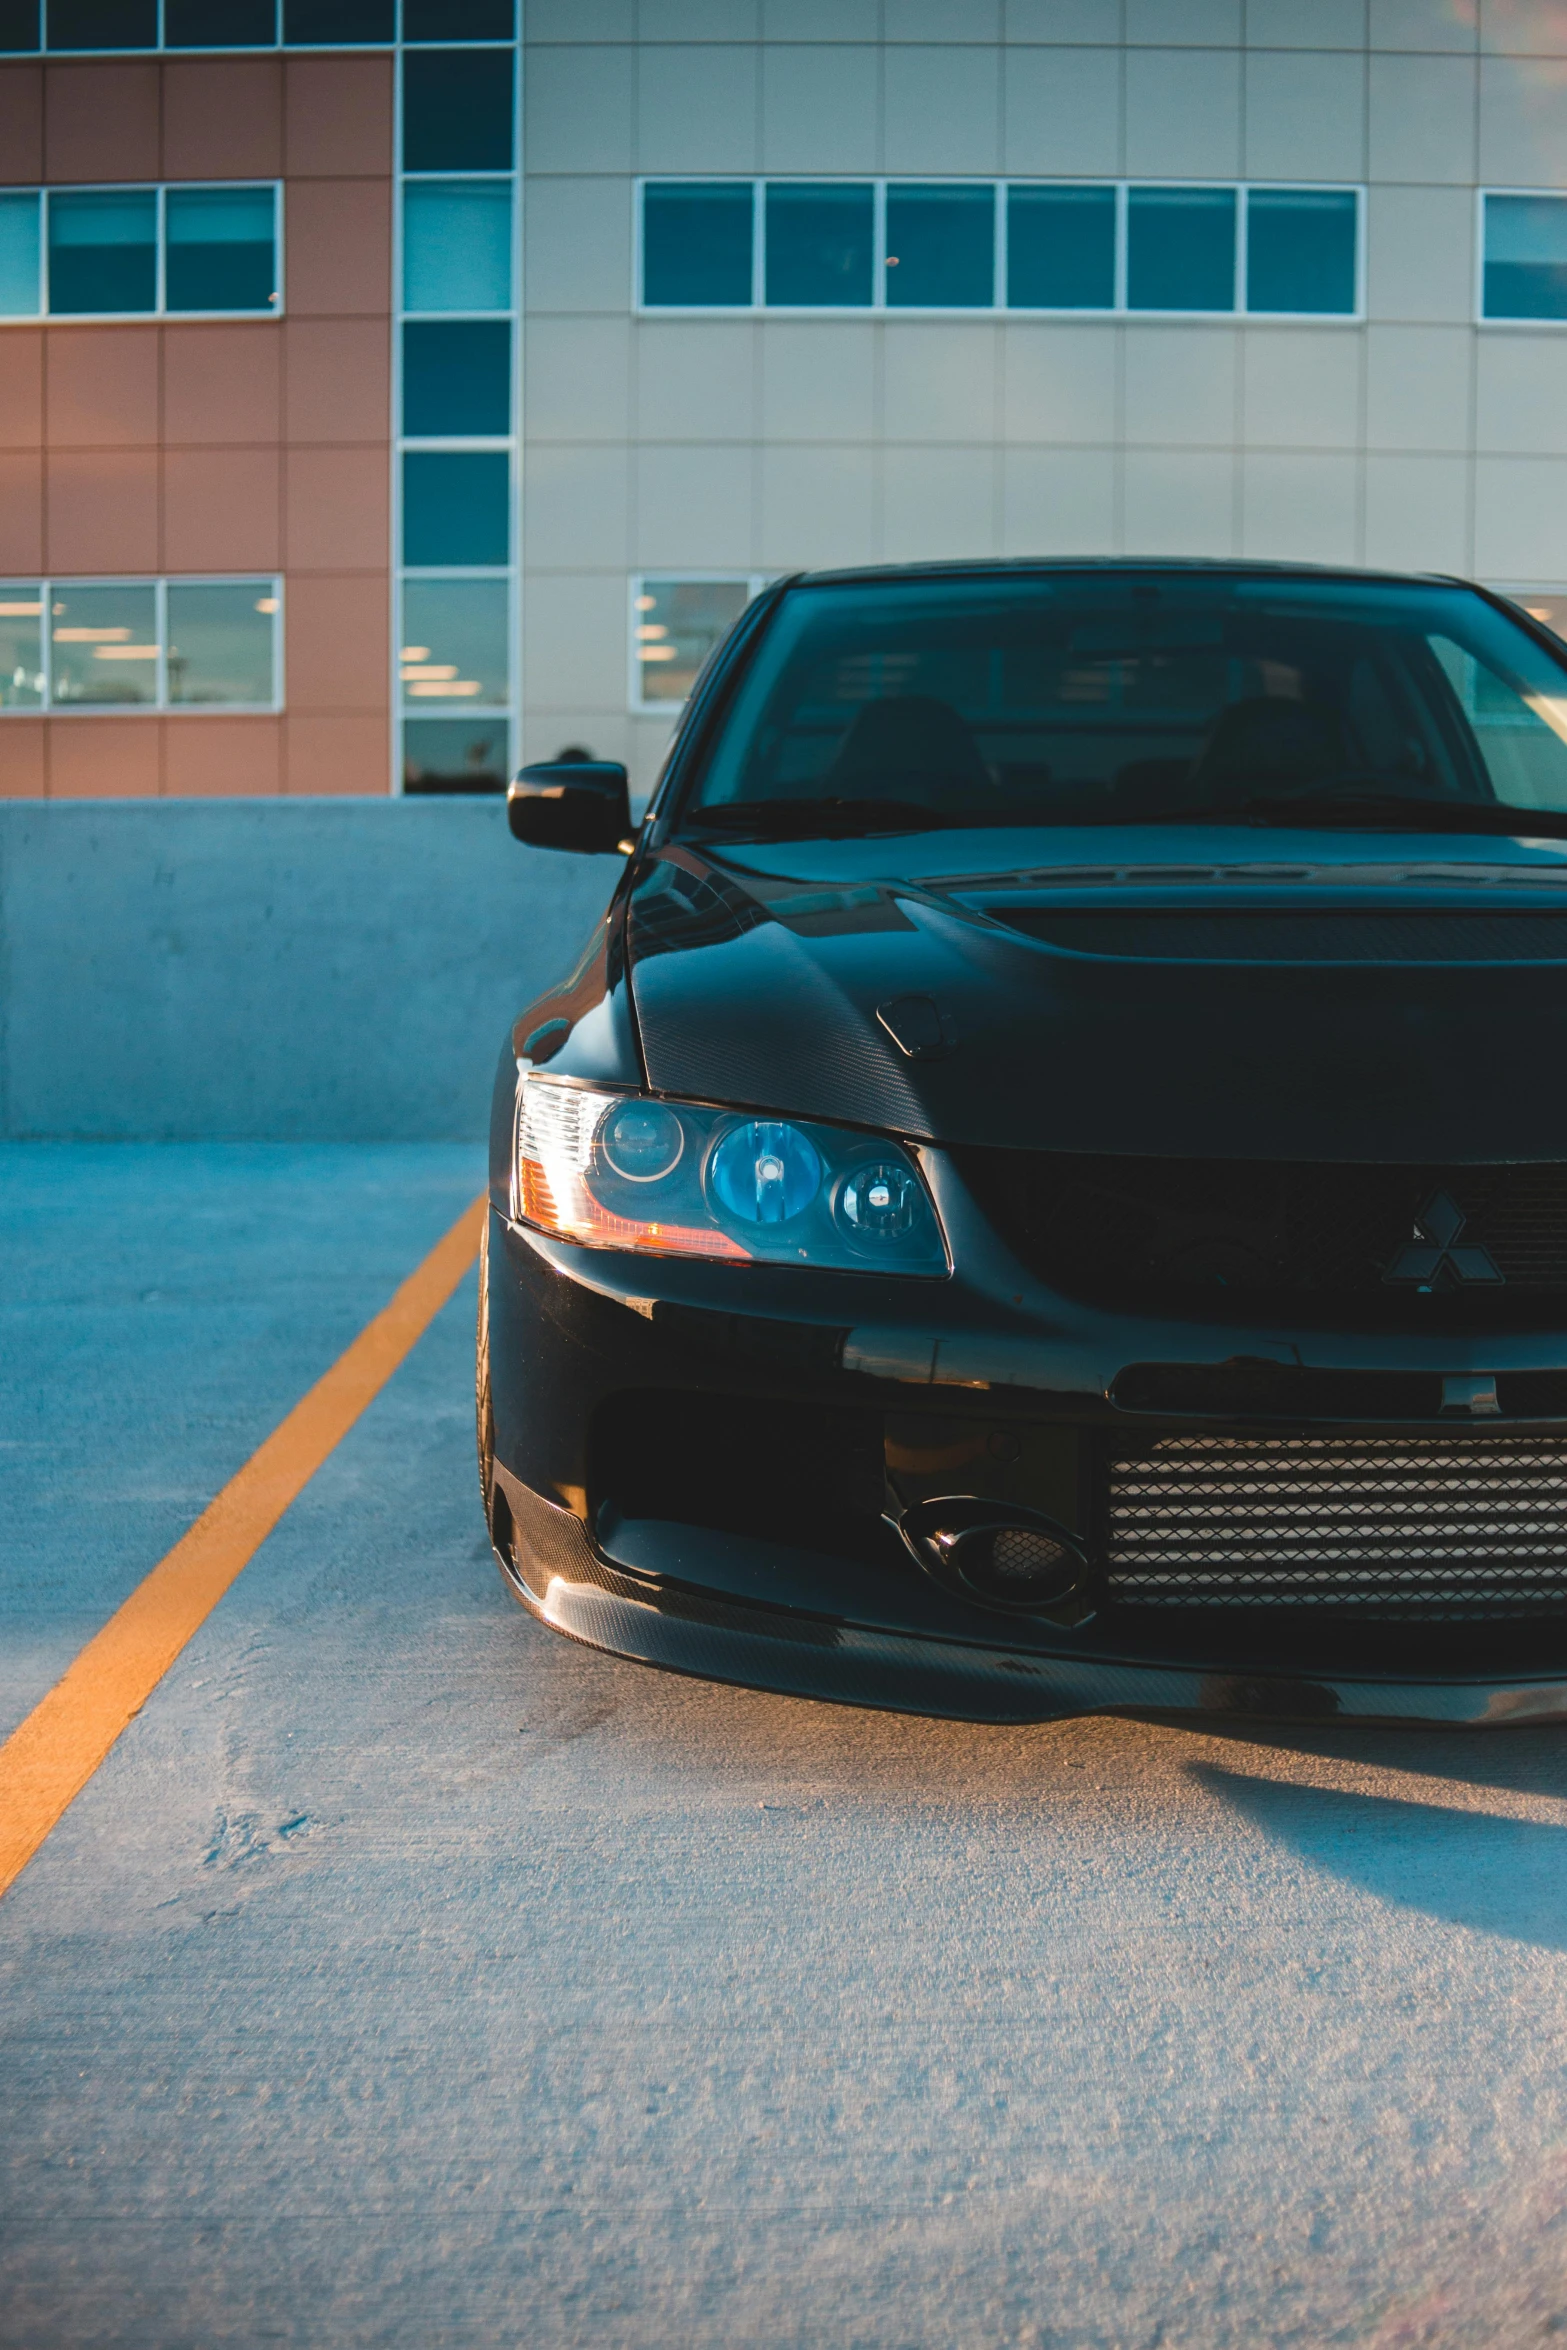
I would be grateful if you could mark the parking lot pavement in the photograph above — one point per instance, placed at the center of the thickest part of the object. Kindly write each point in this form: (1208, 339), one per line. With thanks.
(408, 1976)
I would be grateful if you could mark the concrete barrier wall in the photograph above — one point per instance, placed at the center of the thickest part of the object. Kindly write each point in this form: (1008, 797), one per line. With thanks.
(295, 970)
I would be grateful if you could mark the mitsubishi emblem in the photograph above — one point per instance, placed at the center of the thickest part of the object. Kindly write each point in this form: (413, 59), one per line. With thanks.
(1436, 1257)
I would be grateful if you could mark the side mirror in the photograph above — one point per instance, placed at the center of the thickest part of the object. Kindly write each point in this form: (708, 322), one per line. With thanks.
(581, 804)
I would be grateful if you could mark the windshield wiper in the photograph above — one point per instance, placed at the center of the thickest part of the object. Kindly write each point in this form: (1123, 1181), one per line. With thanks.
(1376, 811)
(821, 819)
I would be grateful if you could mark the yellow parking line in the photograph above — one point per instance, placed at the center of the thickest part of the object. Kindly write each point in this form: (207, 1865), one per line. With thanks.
(45, 1764)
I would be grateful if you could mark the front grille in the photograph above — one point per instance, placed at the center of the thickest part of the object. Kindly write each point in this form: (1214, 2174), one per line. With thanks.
(1191, 1231)
(1387, 1526)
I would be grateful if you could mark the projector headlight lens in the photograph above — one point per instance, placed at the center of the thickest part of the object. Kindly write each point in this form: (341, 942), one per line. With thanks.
(764, 1172)
(641, 1141)
(880, 1203)
(678, 1179)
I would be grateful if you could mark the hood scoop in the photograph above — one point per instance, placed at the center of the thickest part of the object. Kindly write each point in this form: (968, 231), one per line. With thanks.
(1356, 934)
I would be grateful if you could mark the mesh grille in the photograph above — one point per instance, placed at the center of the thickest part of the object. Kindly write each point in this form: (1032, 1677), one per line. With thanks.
(1427, 1528)
(1020, 1552)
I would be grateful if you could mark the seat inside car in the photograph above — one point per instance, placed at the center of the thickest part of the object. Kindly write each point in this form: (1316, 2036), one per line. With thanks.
(1270, 740)
(907, 746)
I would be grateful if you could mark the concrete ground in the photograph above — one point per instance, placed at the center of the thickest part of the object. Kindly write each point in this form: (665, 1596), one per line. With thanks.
(407, 1976)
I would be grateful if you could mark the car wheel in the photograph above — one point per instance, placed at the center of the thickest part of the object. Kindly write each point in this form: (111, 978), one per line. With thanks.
(483, 1411)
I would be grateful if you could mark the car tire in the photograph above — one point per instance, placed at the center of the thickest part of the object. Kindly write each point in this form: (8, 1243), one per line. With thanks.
(484, 1413)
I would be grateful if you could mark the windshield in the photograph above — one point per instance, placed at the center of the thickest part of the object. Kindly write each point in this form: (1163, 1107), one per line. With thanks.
(1136, 698)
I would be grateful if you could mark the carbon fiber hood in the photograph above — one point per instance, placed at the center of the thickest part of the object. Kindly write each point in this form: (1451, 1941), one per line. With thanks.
(1323, 995)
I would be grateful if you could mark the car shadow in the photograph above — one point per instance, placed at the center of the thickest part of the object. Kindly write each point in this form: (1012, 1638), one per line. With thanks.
(1458, 1847)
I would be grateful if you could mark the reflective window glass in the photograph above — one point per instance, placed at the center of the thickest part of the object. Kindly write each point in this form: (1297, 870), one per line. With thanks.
(328, 22)
(103, 24)
(1061, 248)
(457, 245)
(220, 641)
(1300, 251)
(456, 507)
(696, 243)
(1525, 257)
(21, 645)
(221, 249)
(219, 24)
(459, 20)
(677, 623)
(941, 248)
(18, 26)
(103, 252)
(821, 243)
(103, 644)
(455, 754)
(1180, 249)
(455, 641)
(19, 277)
(457, 110)
(457, 377)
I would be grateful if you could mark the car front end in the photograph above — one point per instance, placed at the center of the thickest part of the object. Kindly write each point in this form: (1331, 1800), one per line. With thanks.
(1004, 1268)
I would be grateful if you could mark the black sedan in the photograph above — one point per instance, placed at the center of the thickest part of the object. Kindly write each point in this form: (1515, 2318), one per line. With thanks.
(1047, 1187)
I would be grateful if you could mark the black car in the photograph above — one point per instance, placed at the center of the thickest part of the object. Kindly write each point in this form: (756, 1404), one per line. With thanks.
(1047, 1187)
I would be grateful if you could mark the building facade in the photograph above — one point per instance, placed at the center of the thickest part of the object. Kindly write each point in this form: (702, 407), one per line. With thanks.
(386, 398)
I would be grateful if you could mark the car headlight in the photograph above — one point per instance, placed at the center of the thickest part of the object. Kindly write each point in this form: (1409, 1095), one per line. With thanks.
(618, 1170)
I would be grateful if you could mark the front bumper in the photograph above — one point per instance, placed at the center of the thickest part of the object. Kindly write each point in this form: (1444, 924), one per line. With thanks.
(897, 1659)
(575, 1334)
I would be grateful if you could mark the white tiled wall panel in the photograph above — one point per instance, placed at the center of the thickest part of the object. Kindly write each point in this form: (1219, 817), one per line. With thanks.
(1414, 437)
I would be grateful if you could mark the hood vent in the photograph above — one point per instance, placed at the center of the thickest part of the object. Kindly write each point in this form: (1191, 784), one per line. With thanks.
(1353, 935)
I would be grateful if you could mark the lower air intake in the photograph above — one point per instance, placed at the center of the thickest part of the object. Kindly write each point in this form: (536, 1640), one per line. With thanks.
(1411, 1527)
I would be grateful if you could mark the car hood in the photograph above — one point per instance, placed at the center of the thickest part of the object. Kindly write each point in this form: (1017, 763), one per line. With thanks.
(1205, 993)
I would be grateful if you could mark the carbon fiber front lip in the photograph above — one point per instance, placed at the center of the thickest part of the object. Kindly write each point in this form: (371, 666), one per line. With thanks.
(574, 1589)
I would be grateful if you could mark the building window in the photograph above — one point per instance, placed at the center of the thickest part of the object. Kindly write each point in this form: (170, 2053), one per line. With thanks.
(1524, 264)
(1180, 249)
(103, 24)
(74, 26)
(676, 620)
(140, 252)
(456, 454)
(459, 20)
(697, 245)
(220, 249)
(140, 644)
(455, 683)
(219, 24)
(456, 508)
(456, 754)
(457, 378)
(21, 260)
(456, 636)
(103, 253)
(322, 24)
(941, 248)
(1302, 251)
(457, 245)
(958, 246)
(1061, 248)
(457, 110)
(821, 244)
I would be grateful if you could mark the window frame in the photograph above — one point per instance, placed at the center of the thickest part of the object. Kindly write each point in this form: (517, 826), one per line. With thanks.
(159, 190)
(879, 308)
(405, 444)
(1482, 317)
(752, 581)
(164, 47)
(160, 706)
